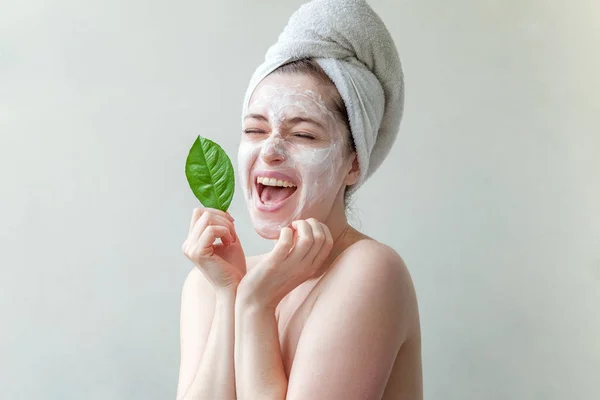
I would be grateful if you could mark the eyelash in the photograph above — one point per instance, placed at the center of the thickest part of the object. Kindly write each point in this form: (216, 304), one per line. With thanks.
(299, 135)
(304, 136)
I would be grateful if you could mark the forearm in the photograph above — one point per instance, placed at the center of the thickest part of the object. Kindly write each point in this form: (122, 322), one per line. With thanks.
(215, 378)
(258, 364)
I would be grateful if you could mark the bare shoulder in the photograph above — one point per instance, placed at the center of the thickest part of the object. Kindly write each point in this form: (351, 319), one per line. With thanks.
(378, 252)
(362, 316)
(372, 261)
(371, 270)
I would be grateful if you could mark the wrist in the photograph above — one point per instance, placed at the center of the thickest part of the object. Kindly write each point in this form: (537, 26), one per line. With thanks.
(249, 299)
(227, 293)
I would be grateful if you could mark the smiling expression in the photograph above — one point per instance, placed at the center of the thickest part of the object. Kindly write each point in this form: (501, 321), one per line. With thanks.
(291, 153)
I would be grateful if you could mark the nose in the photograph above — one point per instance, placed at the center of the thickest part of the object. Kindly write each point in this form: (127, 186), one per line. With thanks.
(273, 151)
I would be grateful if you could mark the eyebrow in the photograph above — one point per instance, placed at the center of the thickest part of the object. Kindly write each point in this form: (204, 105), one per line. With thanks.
(256, 116)
(290, 121)
(297, 120)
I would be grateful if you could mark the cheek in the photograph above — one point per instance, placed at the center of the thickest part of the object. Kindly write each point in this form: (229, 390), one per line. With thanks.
(313, 162)
(247, 153)
(319, 168)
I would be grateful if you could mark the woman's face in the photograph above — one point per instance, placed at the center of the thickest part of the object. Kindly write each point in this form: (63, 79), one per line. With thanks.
(292, 156)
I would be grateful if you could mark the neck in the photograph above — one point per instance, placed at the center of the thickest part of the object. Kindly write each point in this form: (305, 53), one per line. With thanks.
(337, 223)
(343, 234)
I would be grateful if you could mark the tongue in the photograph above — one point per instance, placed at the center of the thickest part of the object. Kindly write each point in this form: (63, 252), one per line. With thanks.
(274, 194)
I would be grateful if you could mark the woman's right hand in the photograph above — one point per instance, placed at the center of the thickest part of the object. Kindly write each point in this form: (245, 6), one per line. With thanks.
(223, 264)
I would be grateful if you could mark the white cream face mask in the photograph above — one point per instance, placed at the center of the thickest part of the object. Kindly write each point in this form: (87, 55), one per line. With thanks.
(287, 165)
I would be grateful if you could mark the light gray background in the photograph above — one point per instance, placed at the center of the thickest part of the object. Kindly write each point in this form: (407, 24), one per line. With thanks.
(491, 193)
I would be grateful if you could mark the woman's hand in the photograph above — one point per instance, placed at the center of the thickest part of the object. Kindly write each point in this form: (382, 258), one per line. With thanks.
(297, 256)
(223, 264)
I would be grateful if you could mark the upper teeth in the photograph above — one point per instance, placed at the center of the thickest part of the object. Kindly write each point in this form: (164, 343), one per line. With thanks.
(273, 182)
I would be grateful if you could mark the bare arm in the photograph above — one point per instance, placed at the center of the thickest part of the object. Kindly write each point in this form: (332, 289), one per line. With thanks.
(207, 330)
(349, 342)
(354, 332)
(260, 374)
(258, 363)
(207, 306)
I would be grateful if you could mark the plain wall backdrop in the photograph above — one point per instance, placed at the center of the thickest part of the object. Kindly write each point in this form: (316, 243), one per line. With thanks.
(491, 193)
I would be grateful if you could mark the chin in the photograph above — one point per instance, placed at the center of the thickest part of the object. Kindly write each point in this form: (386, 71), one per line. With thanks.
(269, 228)
(267, 233)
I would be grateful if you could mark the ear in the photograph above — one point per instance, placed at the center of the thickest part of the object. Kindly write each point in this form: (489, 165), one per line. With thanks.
(352, 176)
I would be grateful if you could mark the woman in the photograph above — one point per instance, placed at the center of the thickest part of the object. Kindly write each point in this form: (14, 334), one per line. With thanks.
(328, 313)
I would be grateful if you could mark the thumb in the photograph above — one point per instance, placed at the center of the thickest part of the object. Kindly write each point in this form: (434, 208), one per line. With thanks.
(284, 244)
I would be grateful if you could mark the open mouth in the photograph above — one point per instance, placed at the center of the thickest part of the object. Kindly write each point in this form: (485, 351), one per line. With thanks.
(273, 192)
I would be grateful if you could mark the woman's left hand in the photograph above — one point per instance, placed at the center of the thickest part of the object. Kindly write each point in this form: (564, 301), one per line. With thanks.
(298, 255)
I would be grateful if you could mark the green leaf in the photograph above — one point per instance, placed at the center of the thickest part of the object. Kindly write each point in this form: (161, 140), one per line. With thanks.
(210, 174)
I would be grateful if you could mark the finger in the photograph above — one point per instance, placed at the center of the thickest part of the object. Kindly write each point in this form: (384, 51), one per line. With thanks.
(208, 219)
(196, 214)
(328, 236)
(227, 221)
(226, 218)
(228, 239)
(223, 214)
(210, 234)
(304, 240)
(199, 211)
(199, 227)
(318, 240)
(219, 220)
(284, 244)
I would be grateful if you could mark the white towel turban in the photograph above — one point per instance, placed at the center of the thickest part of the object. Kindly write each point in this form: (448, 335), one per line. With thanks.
(354, 48)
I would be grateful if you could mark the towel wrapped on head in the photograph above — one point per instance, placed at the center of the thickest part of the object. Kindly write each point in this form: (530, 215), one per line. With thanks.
(351, 44)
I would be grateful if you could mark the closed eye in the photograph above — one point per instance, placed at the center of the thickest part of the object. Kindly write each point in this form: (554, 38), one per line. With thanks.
(253, 131)
(304, 136)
